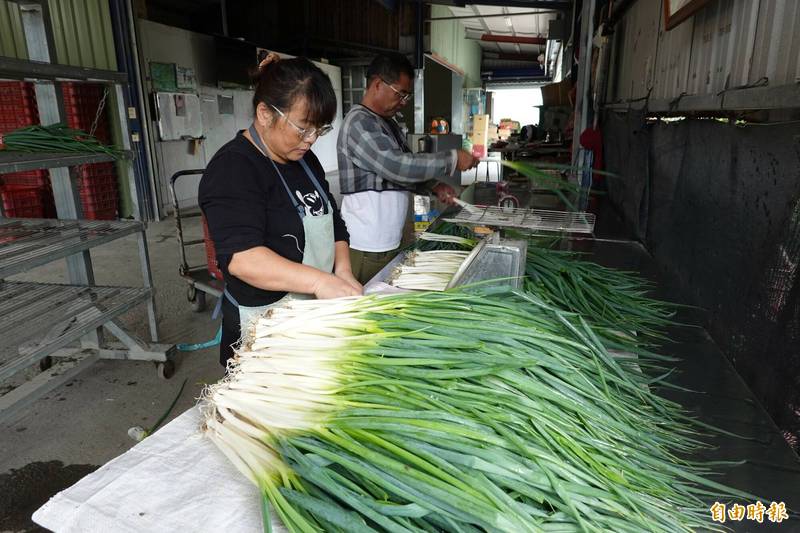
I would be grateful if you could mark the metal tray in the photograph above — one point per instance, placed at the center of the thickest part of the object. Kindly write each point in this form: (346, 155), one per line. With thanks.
(532, 220)
(493, 259)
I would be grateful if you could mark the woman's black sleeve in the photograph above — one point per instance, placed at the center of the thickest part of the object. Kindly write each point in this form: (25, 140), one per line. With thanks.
(234, 204)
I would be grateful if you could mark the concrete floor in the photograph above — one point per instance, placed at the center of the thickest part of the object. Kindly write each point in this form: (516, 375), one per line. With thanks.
(84, 423)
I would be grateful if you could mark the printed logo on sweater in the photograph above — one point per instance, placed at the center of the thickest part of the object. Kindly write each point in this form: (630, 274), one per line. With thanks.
(312, 202)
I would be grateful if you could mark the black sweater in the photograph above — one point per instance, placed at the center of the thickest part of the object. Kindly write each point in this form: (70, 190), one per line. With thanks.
(246, 206)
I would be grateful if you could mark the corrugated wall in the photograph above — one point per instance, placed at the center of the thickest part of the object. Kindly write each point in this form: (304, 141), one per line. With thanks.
(729, 43)
(449, 41)
(81, 30)
(12, 41)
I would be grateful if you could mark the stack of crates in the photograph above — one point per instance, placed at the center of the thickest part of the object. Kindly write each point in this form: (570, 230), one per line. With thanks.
(97, 183)
(23, 194)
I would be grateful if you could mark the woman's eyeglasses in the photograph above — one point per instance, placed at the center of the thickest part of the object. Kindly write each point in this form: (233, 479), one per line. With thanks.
(305, 134)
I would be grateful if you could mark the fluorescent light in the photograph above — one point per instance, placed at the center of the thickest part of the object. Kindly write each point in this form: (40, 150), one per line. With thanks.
(508, 21)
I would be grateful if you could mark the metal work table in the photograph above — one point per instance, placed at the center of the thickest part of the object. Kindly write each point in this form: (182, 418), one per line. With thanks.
(174, 466)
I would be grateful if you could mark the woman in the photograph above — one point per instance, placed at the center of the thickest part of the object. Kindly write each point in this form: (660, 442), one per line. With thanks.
(278, 233)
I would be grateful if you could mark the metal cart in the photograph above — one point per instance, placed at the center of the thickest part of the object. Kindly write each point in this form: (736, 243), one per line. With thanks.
(200, 280)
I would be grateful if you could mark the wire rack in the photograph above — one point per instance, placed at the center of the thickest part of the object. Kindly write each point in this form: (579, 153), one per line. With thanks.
(54, 316)
(534, 220)
(26, 243)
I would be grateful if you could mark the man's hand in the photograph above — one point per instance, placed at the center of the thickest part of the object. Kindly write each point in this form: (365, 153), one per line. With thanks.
(445, 193)
(466, 160)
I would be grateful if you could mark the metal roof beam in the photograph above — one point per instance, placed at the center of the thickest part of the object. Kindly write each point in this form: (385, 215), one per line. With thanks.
(24, 69)
(493, 38)
(498, 15)
(561, 5)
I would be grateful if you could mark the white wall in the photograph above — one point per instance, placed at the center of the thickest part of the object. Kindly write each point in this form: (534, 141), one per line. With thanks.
(166, 44)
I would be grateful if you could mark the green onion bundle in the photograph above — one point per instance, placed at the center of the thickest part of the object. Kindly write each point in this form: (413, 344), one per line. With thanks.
(455, 412)
(604, 296)
(54, 138)
(431, 239)
(563, 189)
(432, 270)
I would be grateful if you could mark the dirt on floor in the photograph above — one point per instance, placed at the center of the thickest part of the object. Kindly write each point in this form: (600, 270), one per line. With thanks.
(25, 489)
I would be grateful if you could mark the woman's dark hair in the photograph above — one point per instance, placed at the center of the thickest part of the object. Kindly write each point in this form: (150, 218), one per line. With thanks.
(282, 82)
(389, 66)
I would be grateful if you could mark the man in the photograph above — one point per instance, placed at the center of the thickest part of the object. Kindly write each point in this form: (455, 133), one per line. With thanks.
(377, 170)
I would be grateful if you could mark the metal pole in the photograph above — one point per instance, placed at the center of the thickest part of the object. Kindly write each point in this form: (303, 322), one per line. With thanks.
(419, 36)
(419, 72)
(582, 96)
(39, 39)
(129, 118)
(223, 7)
(144, 117)
(147, 278)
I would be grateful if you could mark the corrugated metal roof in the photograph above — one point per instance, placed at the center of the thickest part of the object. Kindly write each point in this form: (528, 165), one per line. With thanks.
(727, 44)
(520, 26)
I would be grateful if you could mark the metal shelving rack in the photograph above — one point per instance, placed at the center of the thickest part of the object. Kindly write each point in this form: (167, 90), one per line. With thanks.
(44, 320)
(530, 220)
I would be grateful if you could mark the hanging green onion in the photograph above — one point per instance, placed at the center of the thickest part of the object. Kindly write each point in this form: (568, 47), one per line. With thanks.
(54, 138)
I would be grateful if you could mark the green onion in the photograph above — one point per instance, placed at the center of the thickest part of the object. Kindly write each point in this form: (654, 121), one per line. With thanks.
(430, 270)
(54, 138)
(455, 411)
(455, 239)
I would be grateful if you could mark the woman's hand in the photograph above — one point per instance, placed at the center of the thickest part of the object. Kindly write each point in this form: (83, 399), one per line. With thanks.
(347, 275)
(330, 286)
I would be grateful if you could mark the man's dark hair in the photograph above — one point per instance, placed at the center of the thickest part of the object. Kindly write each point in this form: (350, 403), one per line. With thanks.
(283, 82)
(389, 66)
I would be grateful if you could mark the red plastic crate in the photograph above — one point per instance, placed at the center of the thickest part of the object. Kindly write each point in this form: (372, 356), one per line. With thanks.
(17, 105)
(211, 253)
(100, 206)
(82, 90)
(99, 194)
(32, 178)
(90, 213)
(22, 202)
(81, 102)
(96, 170)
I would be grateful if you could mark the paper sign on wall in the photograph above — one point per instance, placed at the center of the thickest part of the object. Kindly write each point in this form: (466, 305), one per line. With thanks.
(179, 116)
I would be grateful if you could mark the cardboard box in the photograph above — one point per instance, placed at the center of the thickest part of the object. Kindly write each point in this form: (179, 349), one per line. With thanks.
(480, 130)
(556, 94)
